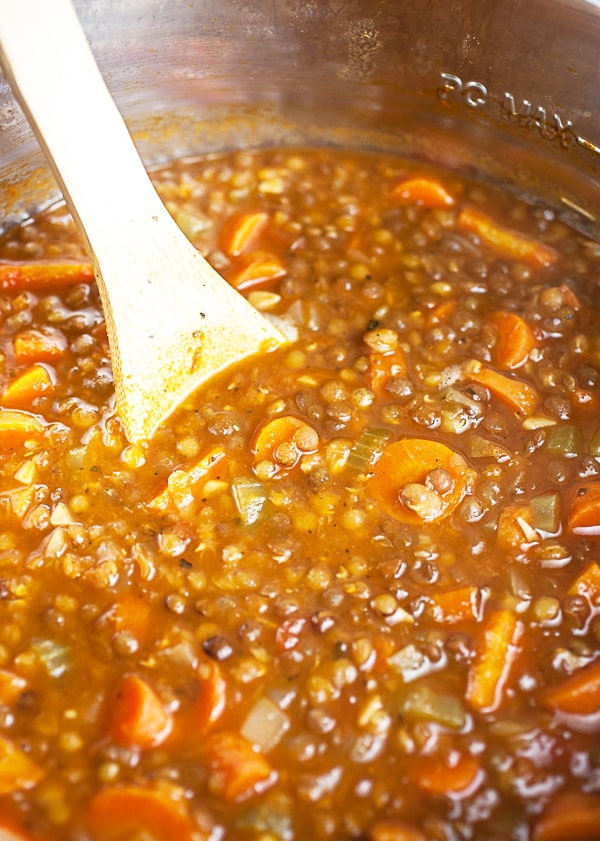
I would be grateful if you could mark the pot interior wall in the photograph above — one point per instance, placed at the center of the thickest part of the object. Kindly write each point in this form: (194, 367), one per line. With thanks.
(506, 91)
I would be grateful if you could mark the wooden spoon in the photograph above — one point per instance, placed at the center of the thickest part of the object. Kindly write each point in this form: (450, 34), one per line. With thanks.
(172, 321)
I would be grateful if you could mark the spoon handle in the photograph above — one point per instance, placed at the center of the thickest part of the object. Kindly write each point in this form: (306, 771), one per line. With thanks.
(172, 321)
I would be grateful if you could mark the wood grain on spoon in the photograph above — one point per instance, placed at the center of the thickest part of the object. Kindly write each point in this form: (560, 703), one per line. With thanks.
(172, 321)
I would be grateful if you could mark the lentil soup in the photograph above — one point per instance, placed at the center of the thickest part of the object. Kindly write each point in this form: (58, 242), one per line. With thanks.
(352, 589)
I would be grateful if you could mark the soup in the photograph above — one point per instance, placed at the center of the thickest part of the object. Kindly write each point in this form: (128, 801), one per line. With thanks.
(351, 590)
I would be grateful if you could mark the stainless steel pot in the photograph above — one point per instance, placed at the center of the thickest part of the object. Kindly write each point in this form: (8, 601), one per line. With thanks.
(504, 89)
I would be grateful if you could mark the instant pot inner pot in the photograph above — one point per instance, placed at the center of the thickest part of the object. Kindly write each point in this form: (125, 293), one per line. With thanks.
(504, 91)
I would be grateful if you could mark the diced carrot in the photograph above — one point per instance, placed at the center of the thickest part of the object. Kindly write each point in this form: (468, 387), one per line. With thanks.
(125, 811)
(497, 650)
(237, 771)
(256, 269)
(275, 432)
(459, 605)
(515, 340)
(587, 584)
(452, 775)
(579, 694)
(395, 830)
(440, 314)
(424, 191)
(182, 481)
(241, 232)
(11, 686)
(418, 480)
(137, 716)
(17, 426)
(571, 816)
(37, 380)
(383, 366)
(17, 770)
(519, 396)
(19, 276)
(10, 830)
(39, 345)
(584, 509)
(515, 528)
(505, 241)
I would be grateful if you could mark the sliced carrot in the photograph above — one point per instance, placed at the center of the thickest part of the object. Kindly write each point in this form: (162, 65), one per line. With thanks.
(17, 426)
(208, 705)
(571, 816)
(440, 314)
(126, 811)
(237, 771)
(182, 481)
(496, 652)
(578, 694)
(11, 686)
(37, 380)
(459, 605)
(137, 716)
(519, 396)
(505, 241)
(584, 509)
(452, 775)
(424, 191)
(240, 232)
(587, 584)
(407, 474)
(39, 345)
(515, 340)
(19, 276)
(515, 528)
(282, 430)
(256, 269)
(383, 366)
(17, 770)
(395, 830)
(132, 613)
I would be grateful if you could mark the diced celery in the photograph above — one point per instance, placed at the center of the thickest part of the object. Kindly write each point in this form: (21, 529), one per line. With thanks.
(367, 449)
(423, 704)
(564, 439)
(480, 447)
(249, 496)
(546, 512)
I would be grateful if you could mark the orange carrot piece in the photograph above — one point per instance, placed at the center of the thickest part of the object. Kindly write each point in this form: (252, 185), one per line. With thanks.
(383, 366)
(17, 770)
(519, 396)
(406, 466)
(584, 509)
(16, 426)
(159, 812)
(395, 830)
(10, 830)
(459, 605)
(181, 482)
(515, 340)
(496, 653)
(241, 232)
(440, 314)
(508, 243)
(137, 716)
(274, 432)
(40, 276)
(132, 613)
(455, 774)
(37, 380)
(571, 816)
(254, 270)
(237, 771)
(11, 686)
(45, 345)
(424, 191)
(208, 705)
(587, 584)
(515, 528)
(579, 694)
